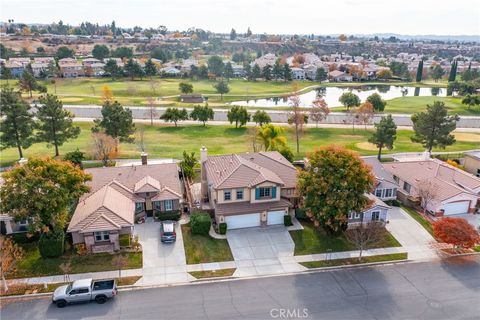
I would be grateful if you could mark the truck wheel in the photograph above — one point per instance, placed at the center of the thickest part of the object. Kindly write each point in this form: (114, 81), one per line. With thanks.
(61, 303)
(101, 299)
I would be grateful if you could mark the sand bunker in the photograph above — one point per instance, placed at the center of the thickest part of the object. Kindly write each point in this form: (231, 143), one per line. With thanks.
(465, 136)
(366, 146)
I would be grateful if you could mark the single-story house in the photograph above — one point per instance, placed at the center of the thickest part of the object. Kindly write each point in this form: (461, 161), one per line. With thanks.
(339, 76)
(386, 187)
(298, 74)
(471, 163)
(118, 196)
(456, 191)
(376, 210)
(249, 189)
(170, 71)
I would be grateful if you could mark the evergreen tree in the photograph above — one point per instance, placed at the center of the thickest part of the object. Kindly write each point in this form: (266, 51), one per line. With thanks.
(321, 75)
(133, 69)
(222, 88)
(249, 32)
(384, 135)
(377, 102)
(233, 34)
(17, 125)
(260, 117)
(150, 68)
(5, 73)
(203, 72)
(256, 72)
(419, 76)
(248, 71)
(112, 69)
(100, 51)
(215, 65)
(55, 123)
(228, 71)
(267, 72)
(287, 72)
(453, 71)
(27, 82)
(277, 70)
(239, 115)
(185, 88)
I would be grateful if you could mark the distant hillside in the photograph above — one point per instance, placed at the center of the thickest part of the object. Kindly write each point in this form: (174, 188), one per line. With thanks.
(460, 38)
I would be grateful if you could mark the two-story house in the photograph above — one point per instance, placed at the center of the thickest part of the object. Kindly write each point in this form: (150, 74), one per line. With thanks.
(119, 196)
(249, 189)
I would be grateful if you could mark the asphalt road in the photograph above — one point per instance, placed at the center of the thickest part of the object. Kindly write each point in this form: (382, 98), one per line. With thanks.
(435, 290)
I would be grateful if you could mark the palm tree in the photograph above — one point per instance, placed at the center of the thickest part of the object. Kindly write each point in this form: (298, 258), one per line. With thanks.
(272, 137)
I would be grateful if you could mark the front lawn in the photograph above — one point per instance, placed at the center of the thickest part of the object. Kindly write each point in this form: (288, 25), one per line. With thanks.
(420, 219)
(313, 240)
(213, 273)
(33, 265)
(352, 261)
(204, 249)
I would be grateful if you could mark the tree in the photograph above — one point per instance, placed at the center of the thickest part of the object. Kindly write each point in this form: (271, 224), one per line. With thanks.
(187, 165)
(319, 110)
(249, 32)
(260, 117)
(277, 71)
(456, 231)
(228, 71)
(100, 51)
(453, 71)
(239, 115)
(471, 100)
(419, 76)
(123, 53)
(349, 99)
(297, 118)
(267, 72)
(363, 236)
(64, 52)
(321, 75)
(150, 68)
(272, 137)
(52, 71)
(10, 254)
(428, 193)
(287, 72)
(103, 147)
(256, 72)
(222, 88)
(433, 127)
(365, 113)
(55, 123)
(384, 135)
(185, 88)
(107, 95)
(233, 34)
(120, 262)
(66, 268)
(437, 72)
(174, 115)
(112, 69)
(42, 192)
(17, 125)
(378, 103)
(133, 69)
(116, 121)
(203, 72)
(76, 157)
(5, 73)
(333, 185)
(384, 74)
(202, 113)
(27, 82)
(215, 65)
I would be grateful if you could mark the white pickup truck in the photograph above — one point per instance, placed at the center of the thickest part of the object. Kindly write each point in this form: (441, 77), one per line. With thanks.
(85, 290)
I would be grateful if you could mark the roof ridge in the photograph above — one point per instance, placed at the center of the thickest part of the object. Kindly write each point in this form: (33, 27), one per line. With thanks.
(101, 216)
(264, 153)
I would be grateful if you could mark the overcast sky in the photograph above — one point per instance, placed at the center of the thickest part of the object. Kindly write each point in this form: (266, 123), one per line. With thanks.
(459, 17)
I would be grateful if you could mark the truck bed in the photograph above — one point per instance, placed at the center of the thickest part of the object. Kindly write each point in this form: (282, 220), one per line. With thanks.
(103, 285)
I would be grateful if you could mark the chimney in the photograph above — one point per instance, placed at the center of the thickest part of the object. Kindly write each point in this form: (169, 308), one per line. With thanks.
(144, 157)
(203, 154)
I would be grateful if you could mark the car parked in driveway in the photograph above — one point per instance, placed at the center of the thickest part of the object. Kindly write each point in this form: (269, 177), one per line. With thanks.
(85, 290)
(167, 231)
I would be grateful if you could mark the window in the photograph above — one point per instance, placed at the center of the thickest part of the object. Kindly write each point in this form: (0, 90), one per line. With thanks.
(406, 187)
(378, 192)
(239, 194)
(102, 236)
(168, 205)
(227, 195)
(264, 192)
(23, 222)
(350, 215)
(357, 215)
(375, 215)
(396, 179)
(82, 290)
(138, 206)
(388, 193)
(156, 205)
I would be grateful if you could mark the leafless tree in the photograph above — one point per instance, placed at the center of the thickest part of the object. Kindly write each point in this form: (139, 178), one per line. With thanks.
(319, 110)
(352, 117)
(140, 138)
(297, 118)
(152, 110)
(427, 192)
(104, 147)
(365, 113)
(364, 235)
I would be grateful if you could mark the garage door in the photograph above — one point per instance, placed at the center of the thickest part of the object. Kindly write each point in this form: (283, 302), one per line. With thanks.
(243, 221)
(456, 208)
(275, 217)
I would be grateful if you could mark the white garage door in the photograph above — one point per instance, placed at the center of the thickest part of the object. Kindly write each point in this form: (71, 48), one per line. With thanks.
(275, 217)
(243, 221)
(456, 208)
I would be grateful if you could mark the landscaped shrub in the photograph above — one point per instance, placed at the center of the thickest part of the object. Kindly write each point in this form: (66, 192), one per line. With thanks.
(167, 215)
(222, 228)
(51, 244)
(287, 220)
(24, 237)
(124, 240)
(393, 203)
(81, 249)
(300, 213)
(200, 223)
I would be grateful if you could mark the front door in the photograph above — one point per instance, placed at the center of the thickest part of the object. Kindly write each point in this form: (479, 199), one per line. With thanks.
(148, 207)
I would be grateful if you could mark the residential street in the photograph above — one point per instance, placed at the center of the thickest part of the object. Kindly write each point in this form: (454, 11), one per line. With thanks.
(448, 289)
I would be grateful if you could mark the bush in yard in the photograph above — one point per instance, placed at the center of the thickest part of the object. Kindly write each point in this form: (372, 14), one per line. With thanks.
(456, 231)
(393, 203)
(167, 215)
(200, 223)
(222, 228)
(81, 249)
(300, 213)
(287, 220)
(124, 240)
(51, 244)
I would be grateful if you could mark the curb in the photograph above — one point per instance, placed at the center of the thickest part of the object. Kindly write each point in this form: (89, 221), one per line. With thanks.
(360, 265)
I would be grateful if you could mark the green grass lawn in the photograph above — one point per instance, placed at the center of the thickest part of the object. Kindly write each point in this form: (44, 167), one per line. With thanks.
(353, 261)
(33, 265)
(213, 273)
(313, 240)
(164, 141)
(420, 219)
(204, 249)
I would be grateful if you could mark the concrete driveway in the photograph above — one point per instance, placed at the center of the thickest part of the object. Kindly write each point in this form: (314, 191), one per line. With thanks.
(262, 251)
(411, 235)
(163, 263)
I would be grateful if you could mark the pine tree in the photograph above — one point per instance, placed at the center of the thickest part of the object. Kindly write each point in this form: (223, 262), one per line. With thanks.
(287, 72)
(256, 72)
(150, 68)
(384, 135)
(419, 72)
(453, 71)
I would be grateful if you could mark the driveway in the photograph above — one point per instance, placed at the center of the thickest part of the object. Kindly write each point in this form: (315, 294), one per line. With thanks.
(162, 263)
(262, 251)
(411, 235)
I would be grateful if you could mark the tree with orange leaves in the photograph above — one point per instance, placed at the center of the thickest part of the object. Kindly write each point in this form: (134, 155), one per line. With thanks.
(456, 231)
(365, 113)
(107, 94)
(10, 254)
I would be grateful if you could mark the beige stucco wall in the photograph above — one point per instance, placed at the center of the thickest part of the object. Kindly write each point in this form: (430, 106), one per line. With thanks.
(471, 164)
(220, 195)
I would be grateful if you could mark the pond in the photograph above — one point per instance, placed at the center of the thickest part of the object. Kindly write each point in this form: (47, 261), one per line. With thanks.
(332, 94)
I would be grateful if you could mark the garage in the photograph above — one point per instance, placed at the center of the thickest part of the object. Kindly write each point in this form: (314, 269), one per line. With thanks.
(243, 221)
(456, 208)
(275, 217)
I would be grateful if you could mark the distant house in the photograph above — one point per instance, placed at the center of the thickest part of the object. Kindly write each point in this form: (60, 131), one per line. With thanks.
(16, 69)
(23, 61)
(172, 72)
(238, 71)
(67, 61)
(71, 70)
(38, 68)
(90, 61)
(46, 60)
(339, 76)
(94, 69)
(192, 98)
(267, 59)
(472, 163)
(310, 71)
(298, 74)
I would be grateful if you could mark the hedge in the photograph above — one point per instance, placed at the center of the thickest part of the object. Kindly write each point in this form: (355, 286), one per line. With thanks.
(52, 244)
(167, 215)
(287, 220)
(222, 228)
(393, 203)
(300, 213)
(200, 223)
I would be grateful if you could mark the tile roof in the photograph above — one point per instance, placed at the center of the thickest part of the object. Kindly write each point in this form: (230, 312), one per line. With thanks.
(147, 184)
(383, 177)
(244, 207)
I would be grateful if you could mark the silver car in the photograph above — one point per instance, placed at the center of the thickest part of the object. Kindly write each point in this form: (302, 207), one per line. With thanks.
(85, 290)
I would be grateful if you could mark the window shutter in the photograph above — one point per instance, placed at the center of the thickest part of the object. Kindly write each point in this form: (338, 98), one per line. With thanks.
(257, 194)
(274, 192)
